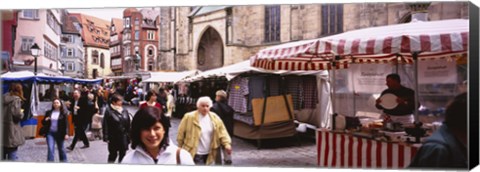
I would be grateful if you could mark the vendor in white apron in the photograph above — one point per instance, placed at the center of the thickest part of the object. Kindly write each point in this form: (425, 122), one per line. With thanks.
(397, 102)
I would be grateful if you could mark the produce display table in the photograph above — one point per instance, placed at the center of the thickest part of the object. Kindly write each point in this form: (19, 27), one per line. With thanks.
(343, 150)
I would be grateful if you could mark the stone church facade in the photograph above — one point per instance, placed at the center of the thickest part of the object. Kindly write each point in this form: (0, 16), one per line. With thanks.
(209, 37)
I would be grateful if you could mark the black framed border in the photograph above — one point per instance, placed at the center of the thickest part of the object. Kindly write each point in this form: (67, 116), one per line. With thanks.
(473, 78)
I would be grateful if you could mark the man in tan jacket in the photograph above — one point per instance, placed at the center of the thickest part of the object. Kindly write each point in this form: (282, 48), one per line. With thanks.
(202, 133)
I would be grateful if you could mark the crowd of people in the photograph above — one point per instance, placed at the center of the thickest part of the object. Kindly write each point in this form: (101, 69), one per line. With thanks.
(203, 133)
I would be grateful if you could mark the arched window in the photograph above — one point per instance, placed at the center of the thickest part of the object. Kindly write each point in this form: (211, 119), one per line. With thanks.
(150, 65)
(102, 60)
(94, 57)
(150, 51)
(210, 50)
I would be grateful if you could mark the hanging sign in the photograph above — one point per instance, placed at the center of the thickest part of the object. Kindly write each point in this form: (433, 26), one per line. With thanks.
(370, 78)
(439, 71)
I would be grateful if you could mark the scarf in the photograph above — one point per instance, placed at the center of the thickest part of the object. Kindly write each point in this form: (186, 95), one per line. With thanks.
(119, 109)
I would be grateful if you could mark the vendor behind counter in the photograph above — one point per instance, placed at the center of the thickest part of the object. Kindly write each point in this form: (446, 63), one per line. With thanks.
(402, 102)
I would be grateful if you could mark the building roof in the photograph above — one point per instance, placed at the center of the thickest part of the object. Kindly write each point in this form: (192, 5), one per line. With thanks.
(149, 13)
(7, 14)
(131, 9)
(149, 17)
(95, 31)
(206, 9)
(118, 25)
(68, 26)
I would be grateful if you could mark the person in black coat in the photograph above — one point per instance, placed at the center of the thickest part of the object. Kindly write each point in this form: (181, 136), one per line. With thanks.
(116, 126)
(162, 99)
(55, 129)
(225, 112)
(82, 112)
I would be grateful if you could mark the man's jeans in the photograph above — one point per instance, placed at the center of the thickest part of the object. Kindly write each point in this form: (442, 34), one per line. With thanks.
(200, 159)
(53, 138)
(10, 154)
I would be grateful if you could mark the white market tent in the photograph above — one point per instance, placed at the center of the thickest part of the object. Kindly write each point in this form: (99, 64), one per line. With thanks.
(169, 76)
(23, 76)
(405, 43)
(231, 71)
(31, 78)
(226, 71)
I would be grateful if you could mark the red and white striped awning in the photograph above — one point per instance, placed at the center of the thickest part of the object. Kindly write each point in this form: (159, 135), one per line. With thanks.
(433, 39)
(304, 65)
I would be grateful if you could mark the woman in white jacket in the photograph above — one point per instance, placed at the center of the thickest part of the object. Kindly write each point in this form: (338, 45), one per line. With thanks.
(150, 142)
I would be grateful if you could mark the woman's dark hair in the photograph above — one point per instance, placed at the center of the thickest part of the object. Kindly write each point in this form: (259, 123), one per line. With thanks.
(116, 97)
(17, 89)
(62, 108)
(143, 120)
(456, 113)
(150, 94)
(161, 91)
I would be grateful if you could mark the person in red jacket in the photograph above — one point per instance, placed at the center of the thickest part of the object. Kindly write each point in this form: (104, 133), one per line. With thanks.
(151, 100)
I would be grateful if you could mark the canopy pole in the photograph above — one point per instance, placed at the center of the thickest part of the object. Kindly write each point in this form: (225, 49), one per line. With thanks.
(332, 95)
(415, 59)
(334, 65)
(396, 66)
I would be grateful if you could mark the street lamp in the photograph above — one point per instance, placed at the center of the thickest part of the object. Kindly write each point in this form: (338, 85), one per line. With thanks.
(35, 50)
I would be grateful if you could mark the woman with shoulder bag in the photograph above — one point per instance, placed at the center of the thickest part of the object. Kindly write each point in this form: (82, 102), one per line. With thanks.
(12, 114)
(55, 130)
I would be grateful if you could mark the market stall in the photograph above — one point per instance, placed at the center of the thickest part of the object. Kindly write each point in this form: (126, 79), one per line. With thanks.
(35, 106)
(159, 80)
(407, 44)
(307, 108)
(251, 92)
(251, 89)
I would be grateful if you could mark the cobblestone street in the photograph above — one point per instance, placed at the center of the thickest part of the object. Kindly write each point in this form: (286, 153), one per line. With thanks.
(288, 152)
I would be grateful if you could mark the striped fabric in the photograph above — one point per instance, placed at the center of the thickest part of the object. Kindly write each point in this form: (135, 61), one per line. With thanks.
(434, 39)
(346, 151)
(293, 64)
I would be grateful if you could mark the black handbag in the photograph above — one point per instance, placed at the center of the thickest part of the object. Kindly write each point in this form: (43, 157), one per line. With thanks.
(43, 131)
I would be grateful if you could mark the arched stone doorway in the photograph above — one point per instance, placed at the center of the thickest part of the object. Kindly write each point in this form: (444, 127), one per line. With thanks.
(210, 50)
